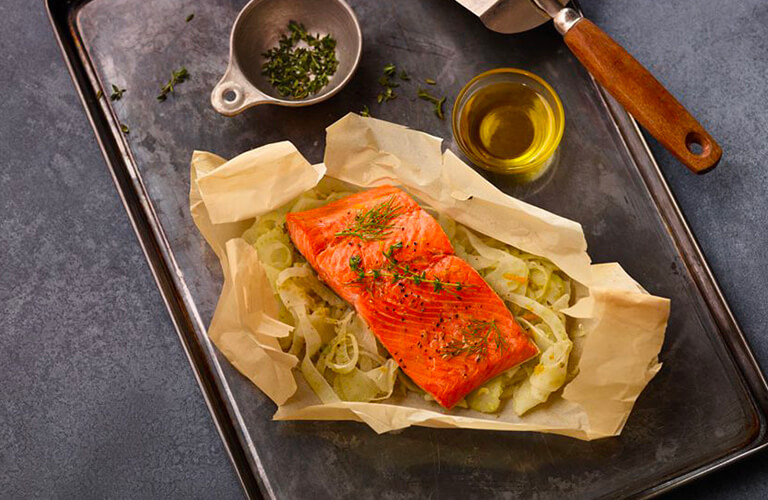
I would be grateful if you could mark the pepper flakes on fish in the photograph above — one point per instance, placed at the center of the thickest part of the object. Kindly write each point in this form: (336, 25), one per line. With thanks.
(441, 322)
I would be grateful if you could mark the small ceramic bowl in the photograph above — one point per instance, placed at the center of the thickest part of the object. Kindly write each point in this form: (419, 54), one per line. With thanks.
(258, 28)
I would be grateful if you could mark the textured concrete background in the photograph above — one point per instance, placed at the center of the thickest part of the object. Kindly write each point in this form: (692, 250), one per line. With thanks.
(97, 398)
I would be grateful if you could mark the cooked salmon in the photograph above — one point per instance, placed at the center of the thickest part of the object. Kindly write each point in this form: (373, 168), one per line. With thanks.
(434, 314)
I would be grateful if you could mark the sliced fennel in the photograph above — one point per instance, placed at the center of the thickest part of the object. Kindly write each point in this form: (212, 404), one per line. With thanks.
(536, 291)
(341, 358)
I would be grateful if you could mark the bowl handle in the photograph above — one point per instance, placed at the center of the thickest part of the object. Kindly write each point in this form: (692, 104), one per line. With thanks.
(234, 94)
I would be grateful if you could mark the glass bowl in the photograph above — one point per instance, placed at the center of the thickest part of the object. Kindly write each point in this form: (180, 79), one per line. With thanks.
(534, 162)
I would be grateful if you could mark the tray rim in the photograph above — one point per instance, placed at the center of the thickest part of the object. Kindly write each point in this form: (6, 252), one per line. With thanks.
(63, 17)
(63, 14)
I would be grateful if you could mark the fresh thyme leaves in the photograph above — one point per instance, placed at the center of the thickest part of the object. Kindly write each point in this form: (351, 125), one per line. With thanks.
(475, 340)
(438, 103)
(356, 265)
(189, 17)
(375, 223)
(397, 271)
(302, 63)
(177, 77)
(385, 96)
(117, 93)
(386, 81)
(365, 112)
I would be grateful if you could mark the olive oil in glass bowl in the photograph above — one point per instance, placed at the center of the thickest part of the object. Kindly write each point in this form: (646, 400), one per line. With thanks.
(509, 121)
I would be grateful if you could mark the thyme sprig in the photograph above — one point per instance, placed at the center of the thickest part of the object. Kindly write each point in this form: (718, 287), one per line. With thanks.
(117, 93)
(387, 95)
(475, 340)
(301, 64)
(177, 77)
(397, 271)
(387, 81)
(437, 102)
(375, 223)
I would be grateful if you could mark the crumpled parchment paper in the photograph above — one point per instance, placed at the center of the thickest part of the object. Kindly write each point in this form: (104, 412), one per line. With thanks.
(620, 327)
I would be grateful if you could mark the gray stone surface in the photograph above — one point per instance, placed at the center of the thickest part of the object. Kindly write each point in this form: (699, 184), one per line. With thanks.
(97, 398)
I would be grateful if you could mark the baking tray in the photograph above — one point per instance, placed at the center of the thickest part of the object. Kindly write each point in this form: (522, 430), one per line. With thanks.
(708, 405)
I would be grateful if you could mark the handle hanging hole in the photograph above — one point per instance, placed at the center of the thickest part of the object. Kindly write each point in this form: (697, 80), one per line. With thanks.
(695, 148)
(697, 144)
(230, 96)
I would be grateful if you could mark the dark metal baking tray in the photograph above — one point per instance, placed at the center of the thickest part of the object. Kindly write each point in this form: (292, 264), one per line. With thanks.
(708, 405)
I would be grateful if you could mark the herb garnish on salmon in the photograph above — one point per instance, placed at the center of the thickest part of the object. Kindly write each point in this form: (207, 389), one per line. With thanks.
(409, 312)
(396, 271)
(375, 223)
(475, 340)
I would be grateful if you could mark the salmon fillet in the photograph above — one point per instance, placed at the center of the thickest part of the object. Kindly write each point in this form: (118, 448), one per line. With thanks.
(434, 314)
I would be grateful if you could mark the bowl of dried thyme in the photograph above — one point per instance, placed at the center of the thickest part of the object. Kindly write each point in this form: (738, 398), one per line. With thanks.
(290, 53)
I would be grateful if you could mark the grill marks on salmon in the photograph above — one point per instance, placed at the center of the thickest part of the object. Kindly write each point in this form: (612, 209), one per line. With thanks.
(418, 322)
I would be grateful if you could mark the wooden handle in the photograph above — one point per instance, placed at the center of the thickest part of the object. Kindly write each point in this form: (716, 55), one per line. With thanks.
(643, 96)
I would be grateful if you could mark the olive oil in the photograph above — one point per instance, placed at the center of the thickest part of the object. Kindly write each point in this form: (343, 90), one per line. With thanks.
(507, 126)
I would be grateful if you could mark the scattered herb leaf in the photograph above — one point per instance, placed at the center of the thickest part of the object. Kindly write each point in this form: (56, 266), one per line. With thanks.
(124, 128)
(390, 70)
(437, 102)
(387, 95)
(404, 76)
(190, 17)
(365, 112)
(475, 340)
(177, 77)
(298, 71)
(430, 81)
(439, 108)
(397, 271)
(117, 93)
(99, 94)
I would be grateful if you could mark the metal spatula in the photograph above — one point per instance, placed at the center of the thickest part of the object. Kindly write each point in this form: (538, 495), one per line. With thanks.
(616, 70)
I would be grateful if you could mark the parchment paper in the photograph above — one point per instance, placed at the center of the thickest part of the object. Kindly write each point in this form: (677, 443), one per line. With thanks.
(620, 327)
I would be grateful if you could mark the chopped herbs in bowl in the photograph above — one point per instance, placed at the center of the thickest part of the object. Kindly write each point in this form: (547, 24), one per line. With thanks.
(301, 64)
(276, 59)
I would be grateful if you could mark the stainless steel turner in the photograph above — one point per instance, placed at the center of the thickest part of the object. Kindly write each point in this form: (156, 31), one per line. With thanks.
(616, 70)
